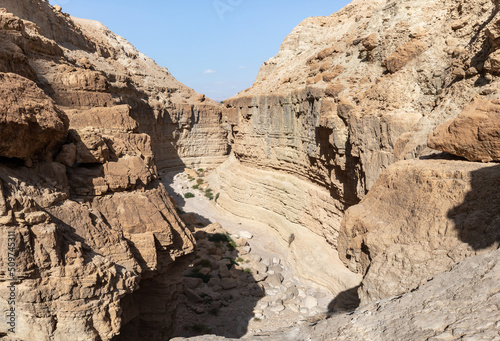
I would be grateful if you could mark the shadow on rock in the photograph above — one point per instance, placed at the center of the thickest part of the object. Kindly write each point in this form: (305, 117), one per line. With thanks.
(218, 293)
(477, 219)
(346, 301)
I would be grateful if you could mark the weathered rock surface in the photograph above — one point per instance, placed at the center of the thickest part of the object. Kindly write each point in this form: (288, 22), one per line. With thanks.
(97, 238)
(30, 123)
(458, 304)
(347, 96)
(474, 134)
(419, 219)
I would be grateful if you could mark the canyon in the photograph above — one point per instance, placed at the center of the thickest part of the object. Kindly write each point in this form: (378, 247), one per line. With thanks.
(367, 148)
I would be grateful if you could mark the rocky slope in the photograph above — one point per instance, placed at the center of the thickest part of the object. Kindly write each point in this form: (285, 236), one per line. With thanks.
(90, 239)
(347, 96)
(459, 304)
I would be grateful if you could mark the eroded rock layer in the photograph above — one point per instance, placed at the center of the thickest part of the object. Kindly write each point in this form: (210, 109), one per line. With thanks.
(350, 94)
(89, 236)
(419, 219)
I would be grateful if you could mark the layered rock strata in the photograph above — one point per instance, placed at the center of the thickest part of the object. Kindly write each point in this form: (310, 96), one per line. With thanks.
(89, 232)
(347, 96)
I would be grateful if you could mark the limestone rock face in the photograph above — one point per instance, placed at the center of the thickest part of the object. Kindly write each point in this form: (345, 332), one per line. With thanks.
(347, 96)
(419, 219)
(474, 134)
(96, 237)
(30, 123)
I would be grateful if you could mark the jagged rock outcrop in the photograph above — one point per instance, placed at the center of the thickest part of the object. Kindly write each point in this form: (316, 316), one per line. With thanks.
(420, 219)
(30, 124)
(474, 134)
(85, 121)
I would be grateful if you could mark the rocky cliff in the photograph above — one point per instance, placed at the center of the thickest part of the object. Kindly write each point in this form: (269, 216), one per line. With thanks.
(89, 236)
(346, 97)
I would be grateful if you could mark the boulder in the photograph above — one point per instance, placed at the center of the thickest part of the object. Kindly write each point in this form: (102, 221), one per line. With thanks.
(474, 134)
(31, 126)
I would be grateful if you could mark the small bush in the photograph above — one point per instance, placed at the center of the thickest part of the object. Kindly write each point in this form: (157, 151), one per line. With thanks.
(196, 186)
(256, 319)
(209, 194)
(188, 195)
(240, 260)
(219, 237)
(199, 181)
(200, 170)
(249, 271)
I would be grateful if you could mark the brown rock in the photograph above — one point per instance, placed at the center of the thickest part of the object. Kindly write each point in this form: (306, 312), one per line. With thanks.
(229, 283)
(67, 156)
(115, 118)
(474, 134)
(419, 219)
(370, 42)
(404, 54)
(30, 124)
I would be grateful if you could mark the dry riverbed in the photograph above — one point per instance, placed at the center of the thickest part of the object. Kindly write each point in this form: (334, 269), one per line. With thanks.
(238, 283)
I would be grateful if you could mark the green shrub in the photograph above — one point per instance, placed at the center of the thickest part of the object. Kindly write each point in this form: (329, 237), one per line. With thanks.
(209, 194)
(219, 237)
(249, 271)
(199, 181)
(200, 170)
(196, 186)
(188, 195)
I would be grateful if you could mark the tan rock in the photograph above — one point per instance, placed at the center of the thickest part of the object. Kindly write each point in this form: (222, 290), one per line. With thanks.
(191, 172)
(30, 124)
(404, 54)
(474, 134)
(90, 146)
(115, 118)
(419, 219)
(67, 156)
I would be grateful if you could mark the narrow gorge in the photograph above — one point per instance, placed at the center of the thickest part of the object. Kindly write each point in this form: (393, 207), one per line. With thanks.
(350, 194)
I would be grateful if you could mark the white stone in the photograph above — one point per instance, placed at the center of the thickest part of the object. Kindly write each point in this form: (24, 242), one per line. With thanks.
(310, 302)
(245, 235)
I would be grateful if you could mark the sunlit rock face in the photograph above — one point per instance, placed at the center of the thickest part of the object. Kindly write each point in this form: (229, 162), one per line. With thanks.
(86, 121)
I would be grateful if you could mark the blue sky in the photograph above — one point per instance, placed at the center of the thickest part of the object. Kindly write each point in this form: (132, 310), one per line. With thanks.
(213, 46)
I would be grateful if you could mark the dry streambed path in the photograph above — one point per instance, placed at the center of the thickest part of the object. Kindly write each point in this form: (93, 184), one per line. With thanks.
(242, 285)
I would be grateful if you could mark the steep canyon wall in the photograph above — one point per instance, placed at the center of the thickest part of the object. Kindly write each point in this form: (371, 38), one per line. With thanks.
(346, 97)
(91, 235)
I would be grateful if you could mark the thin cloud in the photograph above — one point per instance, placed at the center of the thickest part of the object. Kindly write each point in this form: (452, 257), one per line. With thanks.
(208, 72)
